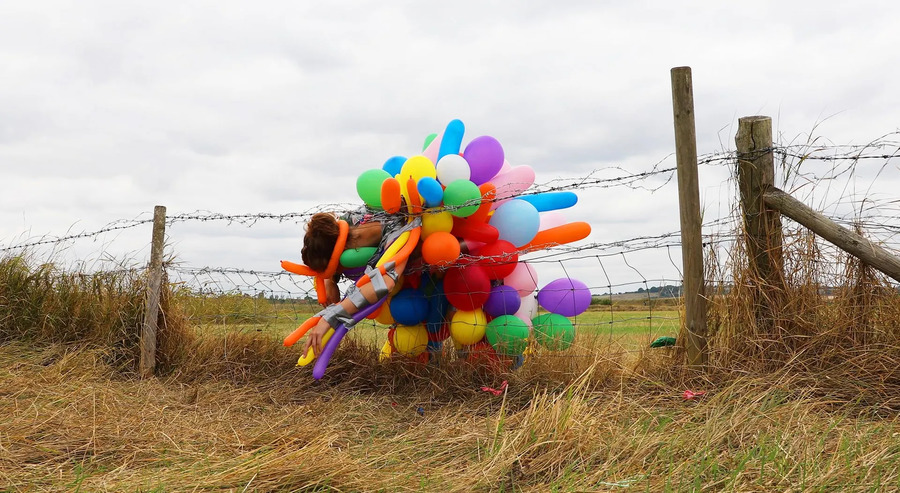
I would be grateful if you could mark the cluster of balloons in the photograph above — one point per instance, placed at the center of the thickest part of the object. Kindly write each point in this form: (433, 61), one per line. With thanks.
(478, 217)
(471, 198)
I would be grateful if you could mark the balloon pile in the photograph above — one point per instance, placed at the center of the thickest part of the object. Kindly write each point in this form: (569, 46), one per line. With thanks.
(472, 287)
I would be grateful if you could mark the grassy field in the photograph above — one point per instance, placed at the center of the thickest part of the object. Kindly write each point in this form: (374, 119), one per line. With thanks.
(807, 403)
(628, 326)
(72, 424)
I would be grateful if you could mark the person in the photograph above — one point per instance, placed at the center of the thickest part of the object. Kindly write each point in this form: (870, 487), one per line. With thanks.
(368, 228)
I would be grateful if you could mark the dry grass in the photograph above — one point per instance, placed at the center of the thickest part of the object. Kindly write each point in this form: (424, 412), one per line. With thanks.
(805, 399)
(72, 423)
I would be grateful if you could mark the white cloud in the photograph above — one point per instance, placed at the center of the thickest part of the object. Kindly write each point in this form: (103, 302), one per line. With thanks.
(110, 108)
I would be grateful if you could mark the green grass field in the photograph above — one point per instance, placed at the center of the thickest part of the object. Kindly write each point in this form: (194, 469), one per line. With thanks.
(627, 330)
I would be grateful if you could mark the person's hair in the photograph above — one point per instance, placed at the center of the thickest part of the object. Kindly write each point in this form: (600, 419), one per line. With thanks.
(322, 233)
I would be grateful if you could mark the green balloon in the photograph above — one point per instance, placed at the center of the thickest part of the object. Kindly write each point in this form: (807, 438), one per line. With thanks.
(428, 141)
(357, 257)
(368, 186)
(462, 198)
(508, 334)
(553, 331)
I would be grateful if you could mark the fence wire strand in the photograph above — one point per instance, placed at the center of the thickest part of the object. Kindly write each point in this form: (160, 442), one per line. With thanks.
(842, 180)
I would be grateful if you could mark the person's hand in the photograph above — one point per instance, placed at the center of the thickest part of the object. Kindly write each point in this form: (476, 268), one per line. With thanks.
(314, 337)
(332, 292)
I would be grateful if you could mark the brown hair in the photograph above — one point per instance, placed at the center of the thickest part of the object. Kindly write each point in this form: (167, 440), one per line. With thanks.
(322, 233)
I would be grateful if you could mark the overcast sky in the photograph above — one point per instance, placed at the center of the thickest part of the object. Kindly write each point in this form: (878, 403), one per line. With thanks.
(109, 108)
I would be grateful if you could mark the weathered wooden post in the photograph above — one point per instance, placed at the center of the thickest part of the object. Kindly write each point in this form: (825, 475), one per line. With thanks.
(756, 176)
(689, 206)
(154, 284)
(762, 225)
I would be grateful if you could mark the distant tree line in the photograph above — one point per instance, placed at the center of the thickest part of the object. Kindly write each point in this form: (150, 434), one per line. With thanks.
(667, 291)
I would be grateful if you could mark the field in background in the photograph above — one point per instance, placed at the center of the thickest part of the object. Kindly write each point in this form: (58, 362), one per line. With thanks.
(627, 325)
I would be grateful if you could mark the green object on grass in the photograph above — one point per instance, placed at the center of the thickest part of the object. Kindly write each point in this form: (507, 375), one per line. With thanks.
(663, 342)
(508, 334)
(554, 331)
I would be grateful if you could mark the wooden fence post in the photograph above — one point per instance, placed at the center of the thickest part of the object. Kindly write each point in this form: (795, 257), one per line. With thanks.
(151, 309)
(695, 342)
(756, 176)
(762, 225)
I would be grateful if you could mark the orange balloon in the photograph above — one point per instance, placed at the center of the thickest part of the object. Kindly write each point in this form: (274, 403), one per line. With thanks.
(415, 200)
(488, 194)
(440, 248)
(390, 195)
(560, 235)
(295, 336)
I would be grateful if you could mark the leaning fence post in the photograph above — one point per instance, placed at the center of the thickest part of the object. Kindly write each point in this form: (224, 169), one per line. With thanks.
(762, 225)
(154, 284)
(694, 335)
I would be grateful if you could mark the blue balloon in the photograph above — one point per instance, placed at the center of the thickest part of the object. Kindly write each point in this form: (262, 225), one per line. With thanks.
(551, 201)
(431, 191)
(452, 139)
(393, 165)
(409, 307)
(517, 221)
(437, 306)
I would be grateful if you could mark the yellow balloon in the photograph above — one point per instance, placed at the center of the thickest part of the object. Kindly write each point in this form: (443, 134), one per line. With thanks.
(385, 353)
(456, 344)
(410, 340)
(468, 327)
(384, 316)
(310, 355)
(392, 250)
(416, 167)
(432, 222)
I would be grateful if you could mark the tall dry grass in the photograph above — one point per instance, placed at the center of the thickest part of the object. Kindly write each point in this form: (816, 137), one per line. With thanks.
(804, 401)
(83, 428)
(829, 319)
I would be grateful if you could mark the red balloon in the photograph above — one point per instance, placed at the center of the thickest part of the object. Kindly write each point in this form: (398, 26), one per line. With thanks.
(474, 230)
(498, 258)
(467, 288)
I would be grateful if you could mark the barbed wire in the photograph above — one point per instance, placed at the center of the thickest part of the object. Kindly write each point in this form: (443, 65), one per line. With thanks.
(252, 294)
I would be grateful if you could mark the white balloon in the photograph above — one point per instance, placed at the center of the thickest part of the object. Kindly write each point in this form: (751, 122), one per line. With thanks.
(453, 167)
(528, 309)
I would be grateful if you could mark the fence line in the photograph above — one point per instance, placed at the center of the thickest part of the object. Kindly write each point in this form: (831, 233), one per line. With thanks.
(800, 165)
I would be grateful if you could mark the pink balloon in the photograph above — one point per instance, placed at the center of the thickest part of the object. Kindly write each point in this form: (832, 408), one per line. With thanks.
(512, 183)
(552, 219)
(503, 169)
(523, 279)
(431, 152)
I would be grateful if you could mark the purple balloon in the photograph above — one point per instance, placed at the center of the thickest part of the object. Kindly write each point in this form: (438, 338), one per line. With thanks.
(324, 358)
(485, 157)
(566, 297)
(339, 332)
(503, 300)
(354, 273)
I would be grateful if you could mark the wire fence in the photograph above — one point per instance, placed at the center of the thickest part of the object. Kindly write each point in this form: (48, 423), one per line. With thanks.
(634, 281)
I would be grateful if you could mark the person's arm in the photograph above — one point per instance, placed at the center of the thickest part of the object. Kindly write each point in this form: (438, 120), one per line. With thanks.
(332, 291)
(368, 291)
